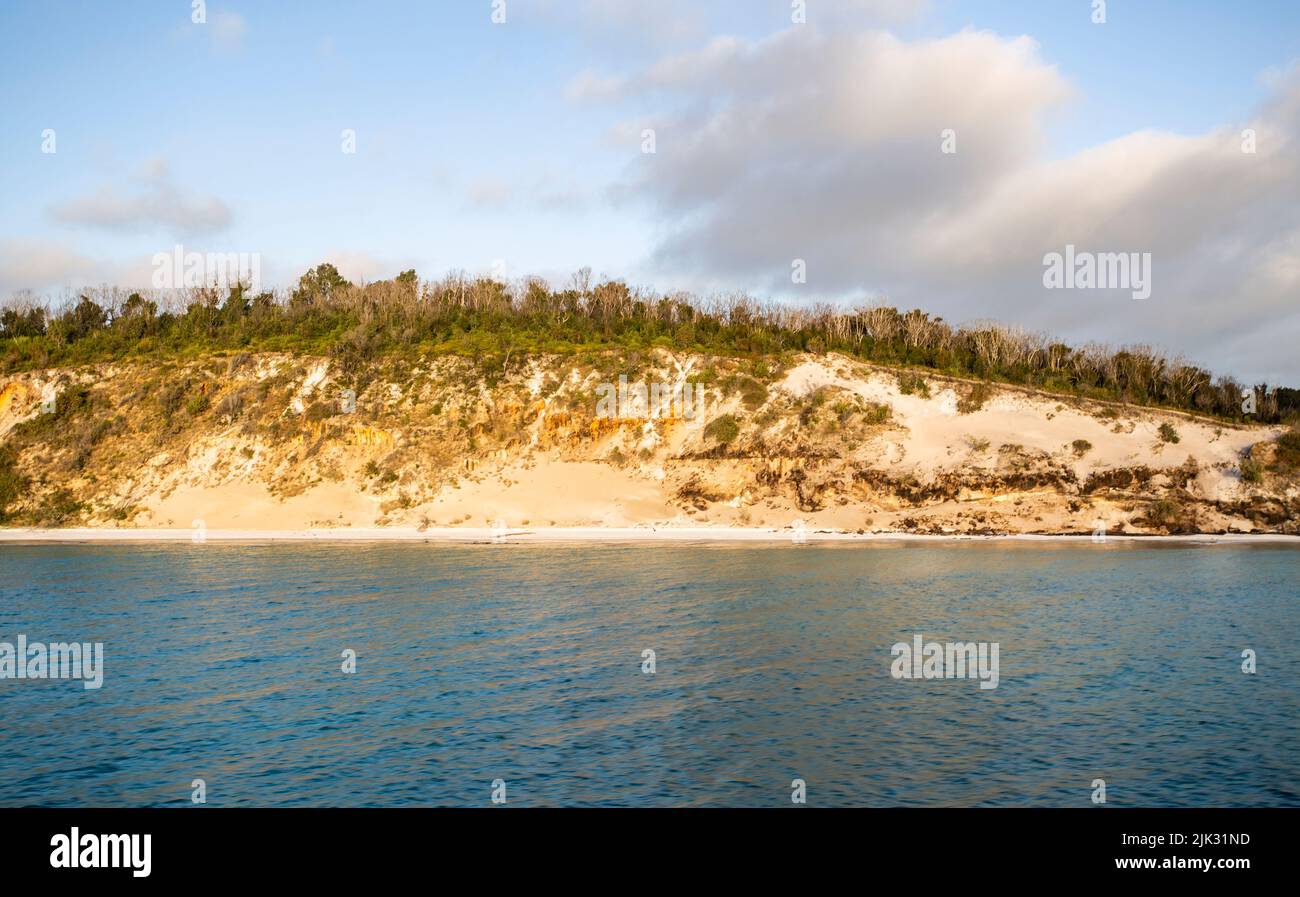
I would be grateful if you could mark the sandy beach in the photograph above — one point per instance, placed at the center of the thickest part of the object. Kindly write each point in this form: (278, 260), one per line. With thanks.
(588, 534)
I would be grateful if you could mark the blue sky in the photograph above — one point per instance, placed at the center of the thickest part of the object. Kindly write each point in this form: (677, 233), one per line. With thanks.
(1182, 65)
(473, 145)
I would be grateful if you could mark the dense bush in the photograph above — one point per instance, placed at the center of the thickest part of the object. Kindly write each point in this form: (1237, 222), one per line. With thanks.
(974, 399)
(496, 322)
(909, 384)
(722, 429)
(12, 483)
(1287, 458)
(1167, 513)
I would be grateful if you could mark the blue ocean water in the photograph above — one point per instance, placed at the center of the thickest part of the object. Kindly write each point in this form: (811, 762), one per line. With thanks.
(524, 664)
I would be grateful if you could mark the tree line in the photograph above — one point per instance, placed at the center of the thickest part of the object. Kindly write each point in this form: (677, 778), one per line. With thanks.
(486, 318)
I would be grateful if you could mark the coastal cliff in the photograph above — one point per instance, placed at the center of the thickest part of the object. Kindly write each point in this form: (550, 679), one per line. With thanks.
(274, 441)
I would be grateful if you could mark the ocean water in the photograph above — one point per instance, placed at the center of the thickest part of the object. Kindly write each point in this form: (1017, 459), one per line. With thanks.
(524, 664)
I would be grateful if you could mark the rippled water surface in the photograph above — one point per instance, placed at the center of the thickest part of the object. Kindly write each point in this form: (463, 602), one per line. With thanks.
(523, 663)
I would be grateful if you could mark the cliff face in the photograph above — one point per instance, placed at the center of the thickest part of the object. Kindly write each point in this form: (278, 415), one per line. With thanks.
(280, 442)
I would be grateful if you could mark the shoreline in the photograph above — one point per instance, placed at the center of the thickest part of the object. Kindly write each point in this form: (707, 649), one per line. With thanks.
(535, 535)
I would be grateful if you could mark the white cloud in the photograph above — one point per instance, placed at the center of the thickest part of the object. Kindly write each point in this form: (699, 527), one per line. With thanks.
(826, 147)
(40, 265)
(149, 202)
(601, 21)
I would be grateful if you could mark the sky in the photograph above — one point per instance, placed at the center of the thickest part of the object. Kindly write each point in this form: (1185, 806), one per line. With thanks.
(519, 147)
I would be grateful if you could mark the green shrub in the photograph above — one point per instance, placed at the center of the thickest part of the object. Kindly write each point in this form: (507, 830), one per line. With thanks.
(58, 508)
(910, 384)
(12, 483)
(878, 413)
(1168, 434)
(170, 398)
(753, 393)
(73, 402)
(1288, 451)
(974, 399)
(1166, 513)
(231, 405)
(1081, 447)
(320, 411)
(722, 430)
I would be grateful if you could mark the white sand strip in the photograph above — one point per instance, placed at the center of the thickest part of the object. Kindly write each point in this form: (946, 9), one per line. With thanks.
(576, 534)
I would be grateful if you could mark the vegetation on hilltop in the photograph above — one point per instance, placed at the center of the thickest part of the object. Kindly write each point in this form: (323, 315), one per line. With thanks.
(496, 322)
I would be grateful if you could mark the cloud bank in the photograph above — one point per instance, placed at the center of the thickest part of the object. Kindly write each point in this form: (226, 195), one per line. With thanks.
(829, 148)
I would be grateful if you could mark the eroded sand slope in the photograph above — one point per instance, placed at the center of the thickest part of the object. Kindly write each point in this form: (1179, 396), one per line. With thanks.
(273, 442)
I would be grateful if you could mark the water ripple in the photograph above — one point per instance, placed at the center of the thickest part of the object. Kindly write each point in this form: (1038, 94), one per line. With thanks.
(523, 663)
